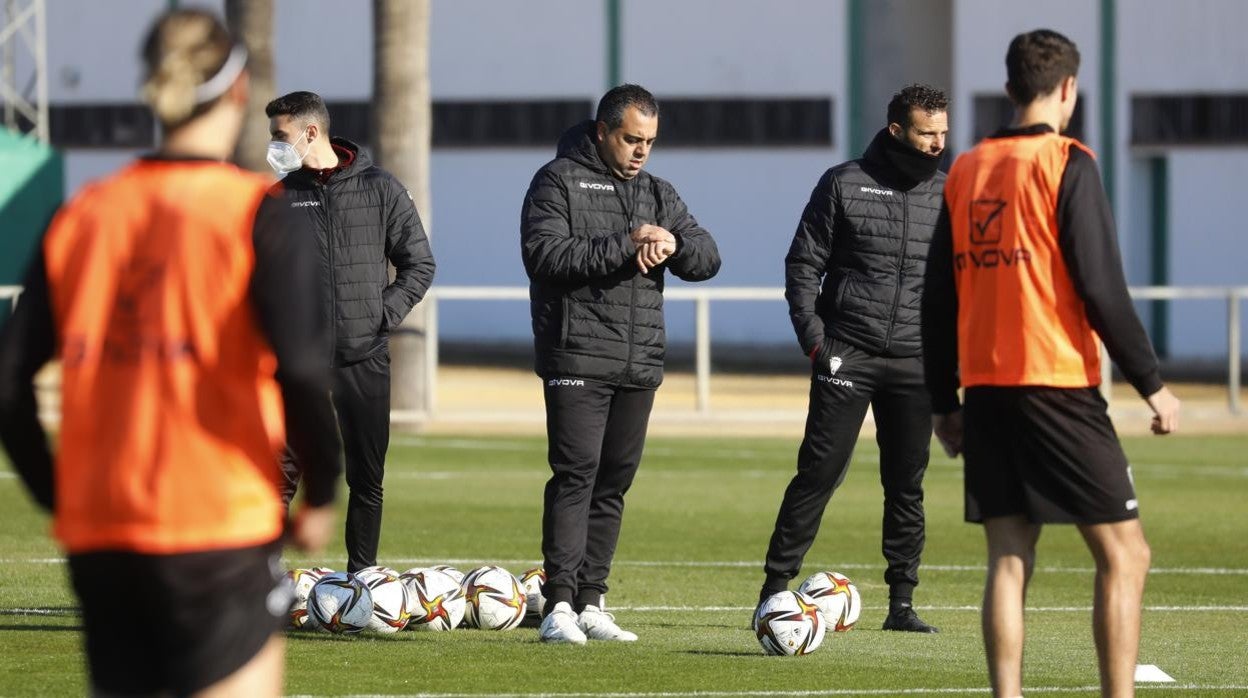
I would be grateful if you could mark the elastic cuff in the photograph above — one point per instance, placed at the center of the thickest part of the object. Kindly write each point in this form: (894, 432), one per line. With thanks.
(901, 595)
(1148, 383)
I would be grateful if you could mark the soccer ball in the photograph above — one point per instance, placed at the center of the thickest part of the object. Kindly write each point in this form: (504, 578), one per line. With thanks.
(454, 573)
(391, 605)
(300, 582)
(437, 601)
(495, 599)
(531, 581)
(340, 603)
(836, 596)
(789, 623)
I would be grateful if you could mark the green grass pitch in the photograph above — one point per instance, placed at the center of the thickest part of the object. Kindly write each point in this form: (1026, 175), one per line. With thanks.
(687, 573)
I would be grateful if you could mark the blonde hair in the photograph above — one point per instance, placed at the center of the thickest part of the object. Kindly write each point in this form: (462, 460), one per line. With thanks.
(183, 50)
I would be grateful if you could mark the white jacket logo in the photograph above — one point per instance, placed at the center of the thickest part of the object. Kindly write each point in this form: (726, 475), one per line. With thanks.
(301, 204)
(834, 363)
(596, 186)
(557, 382)
(881, 192)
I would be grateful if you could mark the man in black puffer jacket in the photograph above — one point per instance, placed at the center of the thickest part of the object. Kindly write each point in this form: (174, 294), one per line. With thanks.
(361, 217)
(597, 234)
(853, 280)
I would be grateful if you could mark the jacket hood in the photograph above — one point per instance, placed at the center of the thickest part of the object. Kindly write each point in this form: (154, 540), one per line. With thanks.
(361, 162)
(577, 144)
(363, 159)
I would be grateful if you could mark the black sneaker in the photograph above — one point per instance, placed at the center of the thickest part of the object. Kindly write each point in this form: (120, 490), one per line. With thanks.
(905, 619)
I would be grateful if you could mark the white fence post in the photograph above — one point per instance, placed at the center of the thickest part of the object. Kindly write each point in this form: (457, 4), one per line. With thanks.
(702, 350)
(431, 353)
(1232, 349)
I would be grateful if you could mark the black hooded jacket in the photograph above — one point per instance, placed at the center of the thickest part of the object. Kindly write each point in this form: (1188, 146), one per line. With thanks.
(595, 315)
(361, 216)
(855, 268)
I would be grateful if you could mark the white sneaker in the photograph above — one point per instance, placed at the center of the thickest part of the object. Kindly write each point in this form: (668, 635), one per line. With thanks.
(600, 625)
(561, 626)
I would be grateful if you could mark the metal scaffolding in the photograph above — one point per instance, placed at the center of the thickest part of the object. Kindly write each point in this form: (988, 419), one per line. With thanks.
(24, 34)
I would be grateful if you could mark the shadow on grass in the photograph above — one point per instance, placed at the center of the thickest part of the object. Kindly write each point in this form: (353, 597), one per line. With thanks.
(40, 628)
(481, 638)
(723, 653)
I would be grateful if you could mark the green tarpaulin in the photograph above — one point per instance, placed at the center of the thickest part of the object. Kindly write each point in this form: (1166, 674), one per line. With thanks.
(32, 185)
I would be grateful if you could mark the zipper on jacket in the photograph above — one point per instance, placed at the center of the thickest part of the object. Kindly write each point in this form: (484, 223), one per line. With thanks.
(323, 191)
(901, 266)
(632, 281)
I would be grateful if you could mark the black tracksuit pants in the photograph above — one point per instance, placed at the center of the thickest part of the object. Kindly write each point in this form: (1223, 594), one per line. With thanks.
(361, 396)
(595, 436)
(894, 389)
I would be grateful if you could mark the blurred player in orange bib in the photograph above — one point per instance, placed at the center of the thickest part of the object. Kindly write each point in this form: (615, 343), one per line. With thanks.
(181, 335)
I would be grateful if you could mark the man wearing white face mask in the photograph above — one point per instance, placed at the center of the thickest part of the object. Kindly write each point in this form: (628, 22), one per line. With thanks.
(361, 217)
(285, 157)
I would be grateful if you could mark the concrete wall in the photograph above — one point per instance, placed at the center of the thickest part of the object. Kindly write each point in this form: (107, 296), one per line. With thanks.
(749, 198)
(1185, 48)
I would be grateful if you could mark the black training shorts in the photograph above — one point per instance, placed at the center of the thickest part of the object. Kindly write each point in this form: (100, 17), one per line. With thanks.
(176, 624)
(1049, 454)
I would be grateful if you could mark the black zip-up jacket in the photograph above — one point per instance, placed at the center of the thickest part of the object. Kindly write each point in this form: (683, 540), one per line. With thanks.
(361, 217)
(855, 268)
(595, 315)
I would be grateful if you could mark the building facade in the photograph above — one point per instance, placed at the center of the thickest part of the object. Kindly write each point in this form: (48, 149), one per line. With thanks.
(758, 100)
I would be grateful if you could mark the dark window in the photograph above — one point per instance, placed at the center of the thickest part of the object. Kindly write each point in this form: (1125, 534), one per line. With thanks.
(537, 123)
(101, 126)
(709, 122)
(460, 124)
(995, 112)
(1189, 119)
(686, 122)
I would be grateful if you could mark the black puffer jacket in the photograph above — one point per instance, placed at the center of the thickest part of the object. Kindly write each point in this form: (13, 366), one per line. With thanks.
(855, 268)
(595, 315)
(362, 216)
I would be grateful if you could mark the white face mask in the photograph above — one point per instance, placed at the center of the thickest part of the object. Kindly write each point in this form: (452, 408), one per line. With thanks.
(284, 158)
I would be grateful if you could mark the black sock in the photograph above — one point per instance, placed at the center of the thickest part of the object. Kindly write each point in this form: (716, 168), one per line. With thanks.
(768, 590)
(555, 594)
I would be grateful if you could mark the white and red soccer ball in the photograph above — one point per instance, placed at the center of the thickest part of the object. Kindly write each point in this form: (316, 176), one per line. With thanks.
(789, 623)
(837, 598)
(436, 600)
(495, 599)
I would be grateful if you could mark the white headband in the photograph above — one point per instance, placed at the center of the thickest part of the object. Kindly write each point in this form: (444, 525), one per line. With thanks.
(219, 83)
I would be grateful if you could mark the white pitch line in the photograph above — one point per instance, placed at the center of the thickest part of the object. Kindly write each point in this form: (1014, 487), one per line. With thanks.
(735, 609)
(1030, 609)
(40, 612)
(797, 694)
(725, 564)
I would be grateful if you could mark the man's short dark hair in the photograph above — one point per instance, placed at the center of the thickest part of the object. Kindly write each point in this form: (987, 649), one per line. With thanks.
(302, 107)
(612, 105)
(916, 96)
(1037, 62)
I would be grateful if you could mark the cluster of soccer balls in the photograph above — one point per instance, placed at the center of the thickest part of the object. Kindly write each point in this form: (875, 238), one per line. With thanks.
(794, 622)
(440, 598)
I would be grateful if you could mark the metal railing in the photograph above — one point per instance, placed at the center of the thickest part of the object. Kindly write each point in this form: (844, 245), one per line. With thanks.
(702, 297)
(1233, 296)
